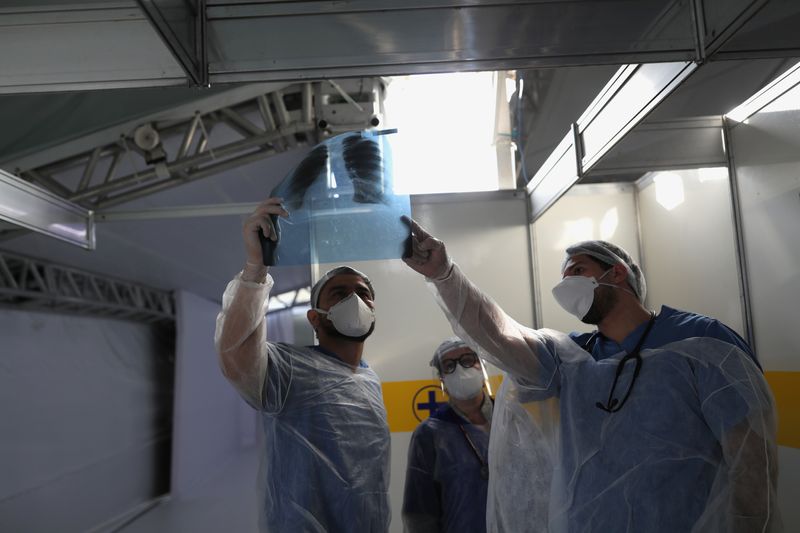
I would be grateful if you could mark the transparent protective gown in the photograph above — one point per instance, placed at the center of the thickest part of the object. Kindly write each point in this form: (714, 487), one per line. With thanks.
(325, 462)
(692, 449)
(515, 452)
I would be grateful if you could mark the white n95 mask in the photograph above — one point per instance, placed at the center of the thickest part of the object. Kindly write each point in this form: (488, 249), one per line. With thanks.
(351, 316)
(464, 383)
(575, 294)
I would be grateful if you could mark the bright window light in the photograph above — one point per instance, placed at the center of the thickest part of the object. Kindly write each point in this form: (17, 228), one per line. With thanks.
(669, 190)
(788, 102)
(445, 138)
(773, 93)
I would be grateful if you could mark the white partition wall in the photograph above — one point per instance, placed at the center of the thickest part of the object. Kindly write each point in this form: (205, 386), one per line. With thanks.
(604, 212)
(487, 235)
(211, 423)
(767, 164)
(688, 243)
(85, 406)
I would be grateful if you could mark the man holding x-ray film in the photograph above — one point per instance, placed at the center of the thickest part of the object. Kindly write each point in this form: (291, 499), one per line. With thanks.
(325, 462)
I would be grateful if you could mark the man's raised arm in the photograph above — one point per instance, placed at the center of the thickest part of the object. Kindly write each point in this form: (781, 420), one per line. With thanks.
(241, 331)
(477, 318)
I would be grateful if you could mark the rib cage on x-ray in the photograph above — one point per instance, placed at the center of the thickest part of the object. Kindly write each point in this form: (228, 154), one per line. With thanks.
(341, 194)
(356, 158)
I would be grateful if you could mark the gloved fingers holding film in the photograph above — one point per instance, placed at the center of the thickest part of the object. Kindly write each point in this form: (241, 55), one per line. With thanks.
(262, 220)
(425, 253)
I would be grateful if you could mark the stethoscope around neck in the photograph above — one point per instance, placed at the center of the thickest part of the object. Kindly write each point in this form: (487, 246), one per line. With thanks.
(612, 404)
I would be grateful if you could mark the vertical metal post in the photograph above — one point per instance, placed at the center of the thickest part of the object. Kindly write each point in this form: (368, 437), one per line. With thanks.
(639, 237)
(738, 228)
(536, 306)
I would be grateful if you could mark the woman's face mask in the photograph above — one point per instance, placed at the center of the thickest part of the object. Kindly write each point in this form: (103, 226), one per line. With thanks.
(350, 316)
(576, 293)
(464, 383)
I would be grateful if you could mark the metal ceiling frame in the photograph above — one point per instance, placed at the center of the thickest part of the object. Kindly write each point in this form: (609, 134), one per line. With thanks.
(664, 145)
(194, 62)
(629, 96)
(80, 46)
(632, 93)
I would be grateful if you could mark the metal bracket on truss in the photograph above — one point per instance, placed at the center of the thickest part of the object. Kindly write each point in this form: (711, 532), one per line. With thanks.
(32, 283)
(160, 154)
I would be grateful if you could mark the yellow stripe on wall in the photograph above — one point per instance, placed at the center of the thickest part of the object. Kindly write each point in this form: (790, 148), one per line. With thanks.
(409, 402)
(786, 389)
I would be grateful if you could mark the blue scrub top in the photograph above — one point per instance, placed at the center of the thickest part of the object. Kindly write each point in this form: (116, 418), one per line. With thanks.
(670, 325)
(444, 488)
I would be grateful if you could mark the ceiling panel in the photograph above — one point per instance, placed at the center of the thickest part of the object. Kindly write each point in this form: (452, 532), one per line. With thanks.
(266, 40)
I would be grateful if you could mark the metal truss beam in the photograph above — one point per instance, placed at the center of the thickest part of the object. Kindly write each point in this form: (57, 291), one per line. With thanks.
(31, 283)
(158, 155)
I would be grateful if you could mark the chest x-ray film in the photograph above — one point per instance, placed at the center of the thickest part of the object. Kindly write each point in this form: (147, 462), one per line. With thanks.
(342, 204)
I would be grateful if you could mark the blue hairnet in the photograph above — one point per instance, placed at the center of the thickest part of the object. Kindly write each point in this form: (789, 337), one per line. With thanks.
(448, 345)
(344, 269)
(611, 254)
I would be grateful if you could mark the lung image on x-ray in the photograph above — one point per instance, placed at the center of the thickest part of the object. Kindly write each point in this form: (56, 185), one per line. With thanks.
(341, 203)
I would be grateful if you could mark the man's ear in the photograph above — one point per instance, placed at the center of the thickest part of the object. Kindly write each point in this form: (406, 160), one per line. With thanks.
(620, 273)
(313, 318)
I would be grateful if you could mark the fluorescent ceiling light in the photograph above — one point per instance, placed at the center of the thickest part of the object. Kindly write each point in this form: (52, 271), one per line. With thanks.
(28, 206)
(767, 95)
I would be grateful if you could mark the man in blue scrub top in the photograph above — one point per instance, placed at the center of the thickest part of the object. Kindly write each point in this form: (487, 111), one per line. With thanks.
(325, 457)
(657, 422)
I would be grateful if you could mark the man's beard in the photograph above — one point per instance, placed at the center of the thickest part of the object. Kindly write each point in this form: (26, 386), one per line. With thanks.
(605, 298)
(327, 325)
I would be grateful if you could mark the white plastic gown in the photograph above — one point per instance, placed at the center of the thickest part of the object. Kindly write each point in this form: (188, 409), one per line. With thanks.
(516, 453)
(693, 449)
(325, 462)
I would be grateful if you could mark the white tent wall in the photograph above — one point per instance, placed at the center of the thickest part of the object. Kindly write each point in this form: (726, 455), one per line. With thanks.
(212, 424)
(689, 250)
(487, 235)
(767, 166)
(85, 408)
